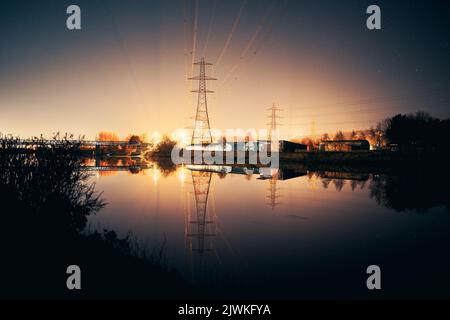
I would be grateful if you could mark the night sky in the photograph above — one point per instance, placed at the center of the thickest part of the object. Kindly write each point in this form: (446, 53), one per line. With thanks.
(126, 70)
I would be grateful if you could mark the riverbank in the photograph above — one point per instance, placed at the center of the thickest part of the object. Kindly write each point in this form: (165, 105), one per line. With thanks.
(366, 158)
(353, 158)
(338, 157)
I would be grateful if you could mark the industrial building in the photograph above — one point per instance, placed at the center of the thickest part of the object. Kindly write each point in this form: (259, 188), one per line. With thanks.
(264, 145)
(252, 146)
(289, 146)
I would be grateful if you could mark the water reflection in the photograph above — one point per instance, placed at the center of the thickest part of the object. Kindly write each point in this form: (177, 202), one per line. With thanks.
(419, 191)
(200, 231)
(399, 189)
(225, 226)
(200, 228)
(250, 232)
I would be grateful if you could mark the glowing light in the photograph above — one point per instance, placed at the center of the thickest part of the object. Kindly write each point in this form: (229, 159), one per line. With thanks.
(182, 174)
(182, 137)
(156, 137)
(312, 183)
(156, 175)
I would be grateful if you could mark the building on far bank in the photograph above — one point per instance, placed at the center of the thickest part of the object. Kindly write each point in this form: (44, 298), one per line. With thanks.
(344, 145)
(255, 146)
(222, 147)
(289, 146)
(283, 146)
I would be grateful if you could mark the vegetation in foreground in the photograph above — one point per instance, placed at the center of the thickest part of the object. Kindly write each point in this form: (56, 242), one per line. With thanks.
(46, 201)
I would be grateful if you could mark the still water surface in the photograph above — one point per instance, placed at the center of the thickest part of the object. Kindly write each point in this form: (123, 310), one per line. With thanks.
(299, 233)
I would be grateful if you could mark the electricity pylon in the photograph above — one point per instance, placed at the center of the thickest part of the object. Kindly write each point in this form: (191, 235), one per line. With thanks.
(202, 130)
(201, 227)
(273, 124)
(273, 192)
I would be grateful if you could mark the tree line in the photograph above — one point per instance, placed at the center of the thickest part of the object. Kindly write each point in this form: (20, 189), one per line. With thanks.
(405, 132)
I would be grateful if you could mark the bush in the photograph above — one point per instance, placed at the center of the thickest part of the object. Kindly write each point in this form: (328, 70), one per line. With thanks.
(165, 146)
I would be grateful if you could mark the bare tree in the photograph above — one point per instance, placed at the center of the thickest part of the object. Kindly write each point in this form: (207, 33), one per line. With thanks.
(339, 135)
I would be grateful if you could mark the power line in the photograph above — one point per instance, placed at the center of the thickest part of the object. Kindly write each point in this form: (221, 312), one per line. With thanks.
(368, 101)
(276, 19)
(376, 109)
(185, 56)
(250, 43)
(372, 119)
(211, 22)
(339, 122)
(194, 37)
(230, 34)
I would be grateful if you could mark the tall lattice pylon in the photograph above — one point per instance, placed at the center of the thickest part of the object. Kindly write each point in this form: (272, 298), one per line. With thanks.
(273, 124)
(202, 131)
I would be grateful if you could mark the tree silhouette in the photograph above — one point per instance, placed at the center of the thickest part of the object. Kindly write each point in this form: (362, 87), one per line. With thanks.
(339, 135)
(419, 132)
(165, 146)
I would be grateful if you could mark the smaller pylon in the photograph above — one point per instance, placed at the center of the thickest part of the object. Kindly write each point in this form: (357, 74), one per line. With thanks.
(273, 192)
(273, 124)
